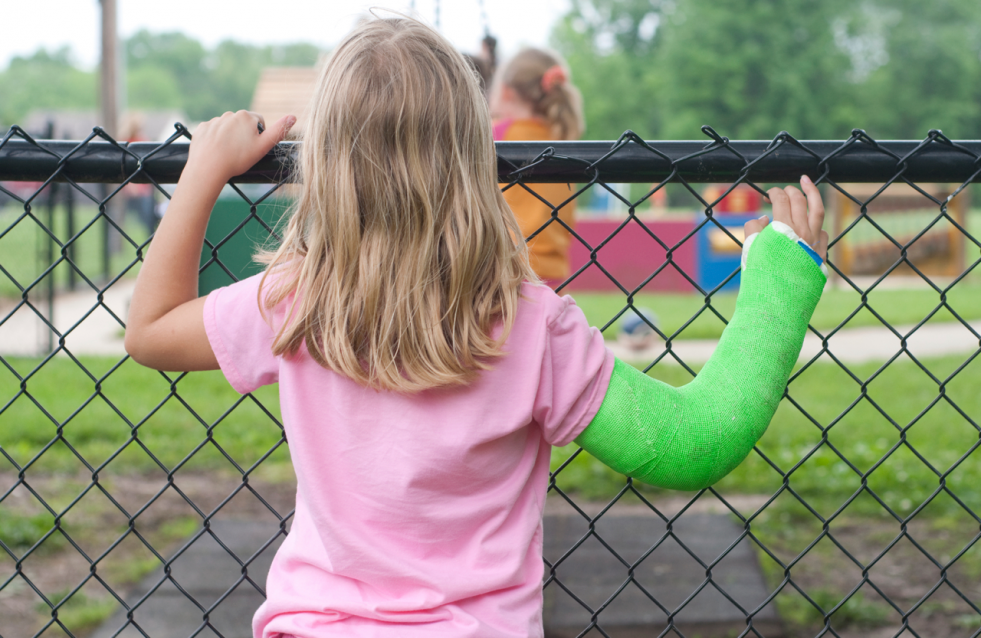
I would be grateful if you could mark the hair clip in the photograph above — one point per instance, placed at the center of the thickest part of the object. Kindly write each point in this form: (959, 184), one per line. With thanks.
(553, 77)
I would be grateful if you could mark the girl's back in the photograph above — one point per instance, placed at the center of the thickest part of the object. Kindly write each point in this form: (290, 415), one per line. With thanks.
(417, 514)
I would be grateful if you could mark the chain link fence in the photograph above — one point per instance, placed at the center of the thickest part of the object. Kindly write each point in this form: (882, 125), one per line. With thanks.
(123, 490)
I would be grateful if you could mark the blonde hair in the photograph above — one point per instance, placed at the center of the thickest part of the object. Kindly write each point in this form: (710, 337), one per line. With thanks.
(400, 258)
(530, 73)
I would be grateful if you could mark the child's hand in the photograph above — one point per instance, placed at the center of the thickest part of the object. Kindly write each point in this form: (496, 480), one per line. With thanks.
(805, 216)
(232, 144)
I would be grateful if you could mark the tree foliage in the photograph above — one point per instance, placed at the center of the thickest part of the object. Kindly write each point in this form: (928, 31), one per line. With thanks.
(47, 79)
(208, 83)
(162, 70)
(926, 70)
(609, 45)
(815, 68)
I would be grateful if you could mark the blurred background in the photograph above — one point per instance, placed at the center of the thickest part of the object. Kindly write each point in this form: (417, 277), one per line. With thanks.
(661, 67)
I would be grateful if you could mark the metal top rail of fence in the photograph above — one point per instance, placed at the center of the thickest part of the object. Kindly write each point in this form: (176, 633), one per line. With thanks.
(142, 503)
(628, 160)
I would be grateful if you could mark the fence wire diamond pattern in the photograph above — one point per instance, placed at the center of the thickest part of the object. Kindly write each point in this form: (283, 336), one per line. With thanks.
(857, 513)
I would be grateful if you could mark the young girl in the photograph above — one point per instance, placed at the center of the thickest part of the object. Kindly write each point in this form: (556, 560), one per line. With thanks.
(532, 98)
(424, 375)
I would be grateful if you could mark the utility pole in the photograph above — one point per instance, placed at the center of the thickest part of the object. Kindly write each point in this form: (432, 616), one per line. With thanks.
(109, 70)
(109, 99)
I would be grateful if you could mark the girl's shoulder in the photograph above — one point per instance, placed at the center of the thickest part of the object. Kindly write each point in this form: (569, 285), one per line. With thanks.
(544, 307)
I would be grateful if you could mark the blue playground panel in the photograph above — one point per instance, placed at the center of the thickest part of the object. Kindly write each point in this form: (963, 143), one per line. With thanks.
(717, 255)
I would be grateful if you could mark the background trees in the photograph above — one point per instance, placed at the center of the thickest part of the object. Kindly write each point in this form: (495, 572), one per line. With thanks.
(817, 68)
(162, 70)
(177, 69)
(45, 79)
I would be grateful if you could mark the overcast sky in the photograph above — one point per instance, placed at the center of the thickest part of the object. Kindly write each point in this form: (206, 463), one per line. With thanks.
(54, 23)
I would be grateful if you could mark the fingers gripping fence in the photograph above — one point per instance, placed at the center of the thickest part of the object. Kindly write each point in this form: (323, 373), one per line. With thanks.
(120, 487)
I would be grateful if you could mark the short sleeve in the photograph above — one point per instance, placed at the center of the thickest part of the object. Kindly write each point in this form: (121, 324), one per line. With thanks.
(240, 336)
(576, 370)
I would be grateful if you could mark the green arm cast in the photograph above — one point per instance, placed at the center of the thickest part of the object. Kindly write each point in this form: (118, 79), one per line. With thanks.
(688, 438)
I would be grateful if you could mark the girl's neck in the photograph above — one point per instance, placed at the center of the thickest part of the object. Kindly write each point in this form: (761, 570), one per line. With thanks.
(515, 110)
(505, 104)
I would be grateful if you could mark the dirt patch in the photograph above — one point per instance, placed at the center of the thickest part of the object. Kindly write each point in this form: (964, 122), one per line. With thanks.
(875, 575)
(94, 530)
(870, 571)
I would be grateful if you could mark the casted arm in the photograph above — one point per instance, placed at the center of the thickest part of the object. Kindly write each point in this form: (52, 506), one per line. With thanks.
(688, 438)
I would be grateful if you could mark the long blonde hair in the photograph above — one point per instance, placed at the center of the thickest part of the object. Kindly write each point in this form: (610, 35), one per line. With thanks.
(542, 79)
(400, 258)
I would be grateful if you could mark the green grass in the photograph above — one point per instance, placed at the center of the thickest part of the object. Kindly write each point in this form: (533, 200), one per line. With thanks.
(895, 565)
(861, 433)
(854, 612)
(80, 612)
(896, 306)
(134, 410)
(20, 531)
(90, 523)
(135, 397)
(23, 244)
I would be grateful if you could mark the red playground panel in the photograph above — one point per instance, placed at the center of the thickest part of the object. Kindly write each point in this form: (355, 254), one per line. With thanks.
(633, 255)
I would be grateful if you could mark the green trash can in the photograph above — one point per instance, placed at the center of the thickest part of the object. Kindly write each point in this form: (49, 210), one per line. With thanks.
(235, 248)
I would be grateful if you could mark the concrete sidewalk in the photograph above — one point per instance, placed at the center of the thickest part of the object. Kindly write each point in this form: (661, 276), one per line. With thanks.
(202, 591)
(849, 345)
(25, 334)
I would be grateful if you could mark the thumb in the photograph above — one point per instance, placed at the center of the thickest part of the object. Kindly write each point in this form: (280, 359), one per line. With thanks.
(754, 226)
(277, 132)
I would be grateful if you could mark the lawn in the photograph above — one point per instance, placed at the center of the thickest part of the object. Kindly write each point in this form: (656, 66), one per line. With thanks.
(23, 244)
(131, 419)
(135, 411)
(203, 424)
(899, 412)
(135, 426)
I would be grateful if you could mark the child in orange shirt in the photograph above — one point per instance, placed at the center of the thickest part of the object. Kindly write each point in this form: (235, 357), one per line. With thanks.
(533, 99)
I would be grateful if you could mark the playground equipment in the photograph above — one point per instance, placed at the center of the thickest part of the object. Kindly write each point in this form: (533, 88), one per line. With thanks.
(742, 199)
(933, 244)
(711, 256)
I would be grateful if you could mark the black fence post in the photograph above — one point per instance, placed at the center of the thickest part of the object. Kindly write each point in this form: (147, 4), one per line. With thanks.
(49, 253)
(70, 251)
(106, 229)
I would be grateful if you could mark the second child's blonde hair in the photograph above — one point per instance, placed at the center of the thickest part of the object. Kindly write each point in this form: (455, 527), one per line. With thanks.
(399, 266)
(541, 78)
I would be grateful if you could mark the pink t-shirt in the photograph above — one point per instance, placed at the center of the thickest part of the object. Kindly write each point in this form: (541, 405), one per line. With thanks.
(417, 515)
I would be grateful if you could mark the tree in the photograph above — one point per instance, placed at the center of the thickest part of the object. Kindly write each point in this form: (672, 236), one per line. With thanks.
(609, 45)
(176, 60)
(152, 87)
(46, 79)
(814, 68)
(163, 70)
(235, 69)
(207, 83)
(753, 69)
(916, 66)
